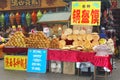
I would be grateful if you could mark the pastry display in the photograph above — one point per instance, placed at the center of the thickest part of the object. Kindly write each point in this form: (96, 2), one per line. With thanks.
(38, 40)
(17, 40)
(84, 41)
(54, 43)
(35, 40)
(69, 40)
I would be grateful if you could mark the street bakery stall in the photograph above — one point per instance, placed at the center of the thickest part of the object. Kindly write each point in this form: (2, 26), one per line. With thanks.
(58, 52)
(71, 46)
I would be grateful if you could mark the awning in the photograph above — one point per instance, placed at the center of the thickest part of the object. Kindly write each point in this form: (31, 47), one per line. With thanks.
(55, 17)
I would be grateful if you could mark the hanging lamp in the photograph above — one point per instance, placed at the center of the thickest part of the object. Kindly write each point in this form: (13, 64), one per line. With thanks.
(7, 19)
(28, 18)
(23, 18)
(2, 19)
(34, 17)
(12, 18)
(17, 18)
(39, 15)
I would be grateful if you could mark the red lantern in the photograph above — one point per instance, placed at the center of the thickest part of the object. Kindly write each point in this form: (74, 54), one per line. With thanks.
(34, 17)
(17, 17)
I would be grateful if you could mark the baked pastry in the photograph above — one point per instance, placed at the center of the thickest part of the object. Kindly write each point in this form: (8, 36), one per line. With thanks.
(62, 44)
(68, 31)
(82, 32)
(76, 31)
(63, 37)
(70, 37)
(89, 37)
(95, 36)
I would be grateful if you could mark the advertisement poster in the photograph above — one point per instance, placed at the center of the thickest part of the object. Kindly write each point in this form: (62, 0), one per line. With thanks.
(15, 62)
(86, 13)
(37, 60)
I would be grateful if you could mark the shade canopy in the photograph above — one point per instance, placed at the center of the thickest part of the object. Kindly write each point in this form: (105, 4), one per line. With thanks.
(55, 17)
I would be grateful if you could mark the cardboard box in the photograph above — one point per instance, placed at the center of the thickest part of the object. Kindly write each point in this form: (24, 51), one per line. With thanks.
(68, 68)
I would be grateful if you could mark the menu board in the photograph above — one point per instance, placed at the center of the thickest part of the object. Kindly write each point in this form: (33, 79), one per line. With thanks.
(85, 13)
(37, 60)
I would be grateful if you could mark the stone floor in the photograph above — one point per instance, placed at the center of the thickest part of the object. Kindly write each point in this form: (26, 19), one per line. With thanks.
(22, 75)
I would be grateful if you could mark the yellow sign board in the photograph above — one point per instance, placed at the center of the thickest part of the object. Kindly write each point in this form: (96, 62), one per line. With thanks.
(12, 62)
(85, 13)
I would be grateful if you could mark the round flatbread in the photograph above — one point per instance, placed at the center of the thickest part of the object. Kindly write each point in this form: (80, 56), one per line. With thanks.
(68, 31)
(89, 37)
(87, 44)
(74, 36)
(95, 43)
(62, 43)
(76, 31)
(96, 37)
(82, 32)
(79, 37)
(80, 43)
(63, 37)
(75, 43)
(70, 37)
(84, 37)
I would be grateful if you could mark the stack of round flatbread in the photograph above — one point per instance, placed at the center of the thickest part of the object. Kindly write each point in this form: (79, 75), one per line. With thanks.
(68, 31)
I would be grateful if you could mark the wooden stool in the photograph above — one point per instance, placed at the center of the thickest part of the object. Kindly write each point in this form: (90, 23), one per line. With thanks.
(95, 75)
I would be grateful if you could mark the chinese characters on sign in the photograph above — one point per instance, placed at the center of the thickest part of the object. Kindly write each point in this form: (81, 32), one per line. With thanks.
(85, 13)
(25, 4)
(37, 60)
(15, 62)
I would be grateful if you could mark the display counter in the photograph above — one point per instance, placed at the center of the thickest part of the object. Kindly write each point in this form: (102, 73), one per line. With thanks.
(79, 56)
(70, 56)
